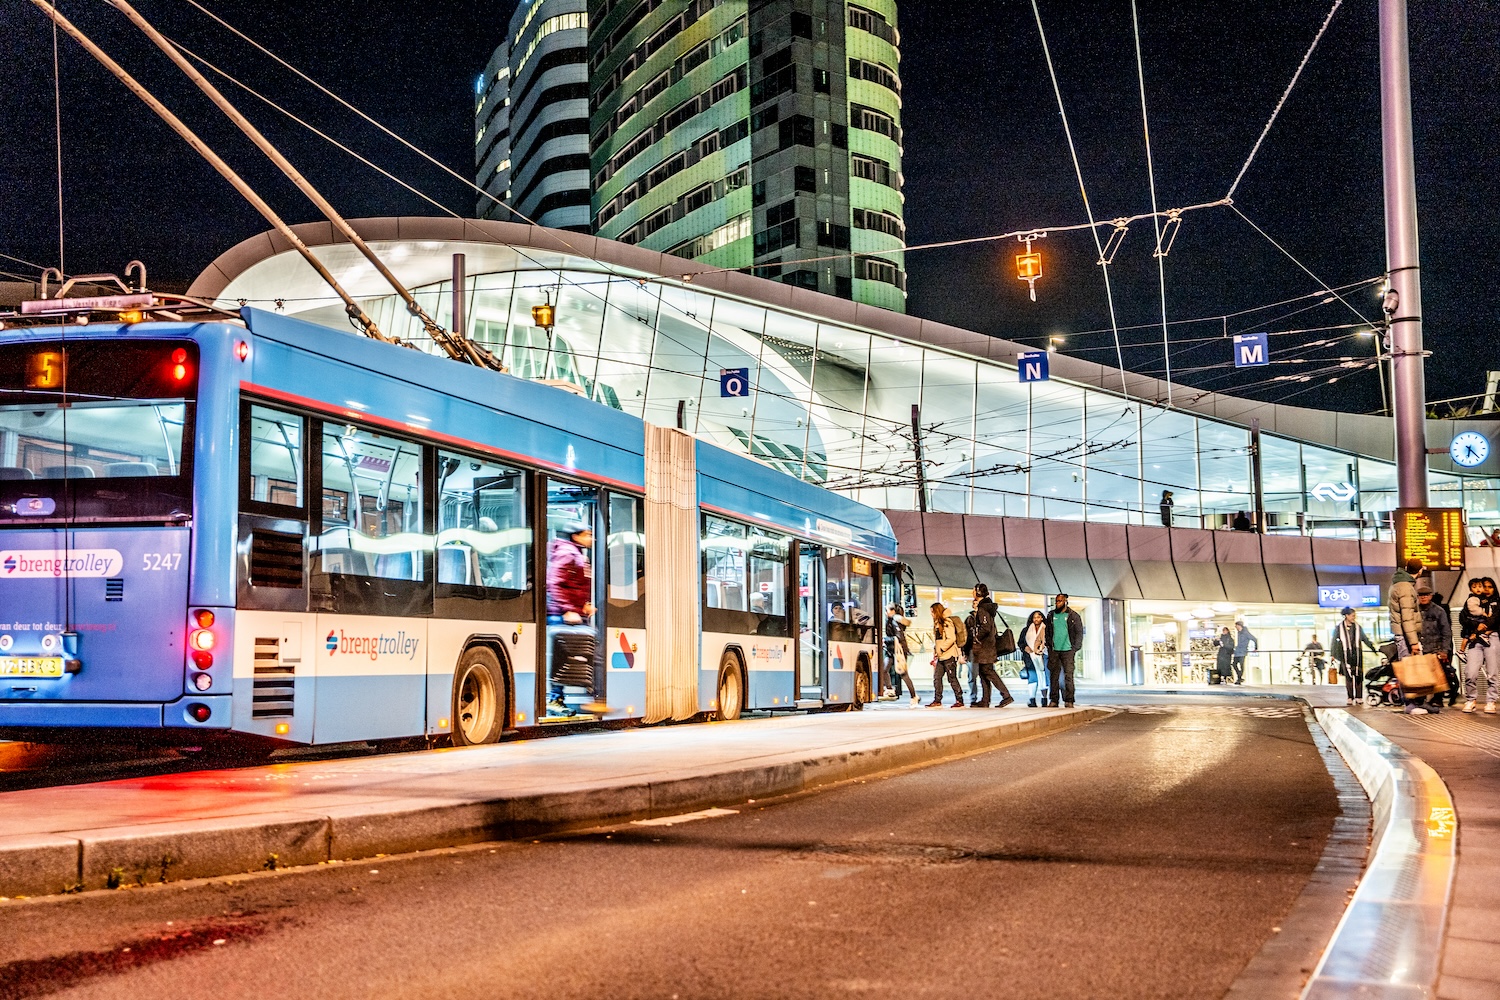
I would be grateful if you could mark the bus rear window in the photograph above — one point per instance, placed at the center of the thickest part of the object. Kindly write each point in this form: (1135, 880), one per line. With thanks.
(103, 427)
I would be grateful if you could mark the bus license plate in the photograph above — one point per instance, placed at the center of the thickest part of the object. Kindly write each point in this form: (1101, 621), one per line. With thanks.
(31, 666)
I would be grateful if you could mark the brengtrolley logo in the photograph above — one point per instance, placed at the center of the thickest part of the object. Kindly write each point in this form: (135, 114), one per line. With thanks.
(373, 646)
(30, 564)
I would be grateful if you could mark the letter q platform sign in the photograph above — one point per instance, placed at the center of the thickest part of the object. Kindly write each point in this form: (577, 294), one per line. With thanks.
(1032, 366)
(1251, 350)
(734, 382)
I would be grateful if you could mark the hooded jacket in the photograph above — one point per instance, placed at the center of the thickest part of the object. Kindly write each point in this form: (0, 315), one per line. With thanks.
(984, 633)
(1406, 620)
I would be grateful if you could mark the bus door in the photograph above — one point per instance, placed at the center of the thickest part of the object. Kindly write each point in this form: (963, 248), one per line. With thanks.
(812, 624)
(573, 683)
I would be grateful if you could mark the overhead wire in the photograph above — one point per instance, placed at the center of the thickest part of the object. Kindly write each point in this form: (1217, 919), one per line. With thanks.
(1161, 257)
(57, 116)
(1083, 191)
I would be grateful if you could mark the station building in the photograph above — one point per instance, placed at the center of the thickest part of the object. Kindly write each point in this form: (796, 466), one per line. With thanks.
(1032, 487)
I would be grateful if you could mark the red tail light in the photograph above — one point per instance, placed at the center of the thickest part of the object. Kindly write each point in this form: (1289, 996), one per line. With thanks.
(200, 713)
(202, 659)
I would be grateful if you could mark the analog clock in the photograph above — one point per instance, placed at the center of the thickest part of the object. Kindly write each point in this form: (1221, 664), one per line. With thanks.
(1469, 449)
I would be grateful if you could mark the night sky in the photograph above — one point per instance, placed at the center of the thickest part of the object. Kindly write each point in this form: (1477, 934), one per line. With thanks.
(984, 154)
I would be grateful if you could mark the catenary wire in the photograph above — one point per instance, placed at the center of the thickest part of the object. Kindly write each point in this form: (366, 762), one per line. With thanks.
(1161, 258)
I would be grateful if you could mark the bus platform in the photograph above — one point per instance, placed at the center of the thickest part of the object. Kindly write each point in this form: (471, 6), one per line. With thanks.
(1465, 752)
(204, 824)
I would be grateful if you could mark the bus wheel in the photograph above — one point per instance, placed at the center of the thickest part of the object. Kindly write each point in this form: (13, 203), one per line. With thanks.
(478, 698)
(731, 693)
(861, 689)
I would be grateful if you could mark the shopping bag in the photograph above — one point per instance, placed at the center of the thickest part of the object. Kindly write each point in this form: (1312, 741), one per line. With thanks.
(901, 664)
(1333, 675)
(1422, 670)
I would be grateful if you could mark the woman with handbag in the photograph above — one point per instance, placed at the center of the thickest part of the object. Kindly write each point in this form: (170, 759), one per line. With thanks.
(1034, 655)
(900, 654)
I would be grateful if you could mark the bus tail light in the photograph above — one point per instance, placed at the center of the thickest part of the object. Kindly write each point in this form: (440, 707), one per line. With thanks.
(202, 659)
(203, 682)
(199, 713)
(204, 618)
(201, 639)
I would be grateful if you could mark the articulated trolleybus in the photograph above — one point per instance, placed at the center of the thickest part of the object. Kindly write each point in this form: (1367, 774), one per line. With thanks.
(272, 529)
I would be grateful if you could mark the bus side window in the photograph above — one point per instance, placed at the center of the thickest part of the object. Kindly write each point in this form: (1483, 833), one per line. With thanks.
(724, 564)
(372, 505)
(274, 470)
(626, 562)
(483, 527)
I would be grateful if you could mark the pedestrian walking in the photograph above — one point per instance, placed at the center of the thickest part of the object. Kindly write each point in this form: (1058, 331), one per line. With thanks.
(1479, 646)
(1064, 636)
(983, 650)
(1243, 640)
(948, 636)
(898, 653)
(1224, 658)
(1347, 647)
(1034, 656)
(1437, 637)
(1166, 508)
(1406, 626)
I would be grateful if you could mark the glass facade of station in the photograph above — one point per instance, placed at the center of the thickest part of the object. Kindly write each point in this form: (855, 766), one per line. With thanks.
(833, 404)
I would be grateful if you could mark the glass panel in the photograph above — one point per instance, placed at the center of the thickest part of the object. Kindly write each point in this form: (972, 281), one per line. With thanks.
(1002, 414)
(734, 343)
(1329, 475)
(948, 430)
(677, 360)
(1224, 468)
(579, 317)
(839, 404)
(1169, 453)
(889, 459)
(625, 349)
(275, 443)
(724, 546)
(372, 505)
(484, 533)
(1057, 450)
(489, 309)
(783, 398)
(626, 566)
(1377, 486)
(768, 567)
(1113, 483)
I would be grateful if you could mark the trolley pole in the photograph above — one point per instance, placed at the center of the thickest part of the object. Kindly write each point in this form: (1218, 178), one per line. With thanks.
(1403, 301)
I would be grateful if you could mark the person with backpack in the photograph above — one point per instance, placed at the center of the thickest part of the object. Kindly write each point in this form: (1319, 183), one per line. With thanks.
(948, 639)
(984, 649)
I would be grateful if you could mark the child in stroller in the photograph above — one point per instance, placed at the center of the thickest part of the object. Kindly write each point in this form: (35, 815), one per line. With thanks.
(1381, 686)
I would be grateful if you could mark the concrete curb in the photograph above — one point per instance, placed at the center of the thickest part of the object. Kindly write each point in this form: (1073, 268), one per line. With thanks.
(1390, 940)
(163, 852)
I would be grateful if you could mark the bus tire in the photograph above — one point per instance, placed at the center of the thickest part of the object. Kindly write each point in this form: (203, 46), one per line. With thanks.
(479, 698)
(729, 696)
(862, 695)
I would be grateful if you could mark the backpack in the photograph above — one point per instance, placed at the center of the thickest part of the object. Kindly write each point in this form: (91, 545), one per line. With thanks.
(960, 633)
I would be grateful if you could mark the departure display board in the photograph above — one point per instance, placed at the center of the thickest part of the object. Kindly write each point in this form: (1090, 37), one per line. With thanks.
(1434, 535)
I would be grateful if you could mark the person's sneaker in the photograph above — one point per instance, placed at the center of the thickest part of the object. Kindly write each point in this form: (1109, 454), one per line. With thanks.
(935, 703)
(1469, 707)
(979, 704)
(958, 704)
(1434, 709)
(1489, 708)
(1006, 703)
(1415, 710)
(916, 702)
(1349, 702)
(1069, 704)
(888, 696)
(557, 707)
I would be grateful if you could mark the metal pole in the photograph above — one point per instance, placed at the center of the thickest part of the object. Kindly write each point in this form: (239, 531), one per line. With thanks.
(1403, 302)
(460, 297)
(1259, 495)
(916, 438)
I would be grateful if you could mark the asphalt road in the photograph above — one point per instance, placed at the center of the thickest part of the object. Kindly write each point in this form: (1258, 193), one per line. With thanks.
(1147, 855)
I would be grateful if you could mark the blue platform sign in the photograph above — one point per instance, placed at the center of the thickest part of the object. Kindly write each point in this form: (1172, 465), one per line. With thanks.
(1032, 366)
(1251, 350)
(734, 382)
(1349, 596)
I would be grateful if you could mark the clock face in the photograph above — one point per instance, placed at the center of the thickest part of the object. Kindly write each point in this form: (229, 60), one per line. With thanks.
(1469, 449)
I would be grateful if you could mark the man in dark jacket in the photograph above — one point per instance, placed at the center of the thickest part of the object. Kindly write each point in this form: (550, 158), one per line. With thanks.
(1437, 637)
(1064, 636)
(982, 652)
(1347, 645)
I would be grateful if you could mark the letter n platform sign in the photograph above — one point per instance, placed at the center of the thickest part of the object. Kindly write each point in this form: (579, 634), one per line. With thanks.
(734, 382)
(1251, 350)
(1032, 366)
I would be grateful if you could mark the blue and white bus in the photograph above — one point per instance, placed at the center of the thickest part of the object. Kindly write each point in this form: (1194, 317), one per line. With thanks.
(267, 528)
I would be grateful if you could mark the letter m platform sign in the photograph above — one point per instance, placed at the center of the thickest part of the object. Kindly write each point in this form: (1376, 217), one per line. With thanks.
(1032, 366)
(1250, 350)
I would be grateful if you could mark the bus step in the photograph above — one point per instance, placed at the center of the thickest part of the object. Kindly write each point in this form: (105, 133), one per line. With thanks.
(809, 703)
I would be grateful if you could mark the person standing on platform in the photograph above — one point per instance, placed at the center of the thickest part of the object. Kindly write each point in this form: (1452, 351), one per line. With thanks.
(1241, 522)
(947, 641)
(983, 652)
(1406, 625)
(1034, 654)
(899, 653)
(1166, 508)
(1064, 636)
(1437, 637)
(1347, 646)
(1243, 639)
(1480, 646)
(1224, 658)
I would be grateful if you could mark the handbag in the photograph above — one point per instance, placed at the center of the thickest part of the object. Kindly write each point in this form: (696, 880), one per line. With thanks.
(901, 663)
(1422, 671)
(1005, 645)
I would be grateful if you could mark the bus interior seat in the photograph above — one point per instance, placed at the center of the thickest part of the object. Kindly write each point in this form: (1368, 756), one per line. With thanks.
(395, 566)
(116, 469)
(67, 472)
(13, 472)
(457, 564)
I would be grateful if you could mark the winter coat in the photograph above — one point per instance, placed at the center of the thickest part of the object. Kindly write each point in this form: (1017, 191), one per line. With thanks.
(1243, 638)
(1349, 654)
(1075, 627)
(1437, 628)
(1225, 657)
(983, 634)
(945, 645)
(1406, 620)
(570, 577)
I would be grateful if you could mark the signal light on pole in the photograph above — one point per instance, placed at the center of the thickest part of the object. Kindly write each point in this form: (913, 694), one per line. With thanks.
(545, 315)
(1029, 264)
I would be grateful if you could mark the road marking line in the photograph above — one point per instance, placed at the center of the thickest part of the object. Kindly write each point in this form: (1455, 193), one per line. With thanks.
(684, 817)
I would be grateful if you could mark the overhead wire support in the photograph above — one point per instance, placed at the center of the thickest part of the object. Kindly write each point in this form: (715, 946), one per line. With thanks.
(457, 348)
(356, 313)
(1083, 191)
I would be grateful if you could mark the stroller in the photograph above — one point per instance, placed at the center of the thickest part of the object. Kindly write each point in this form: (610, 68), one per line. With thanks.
(1381, 686)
